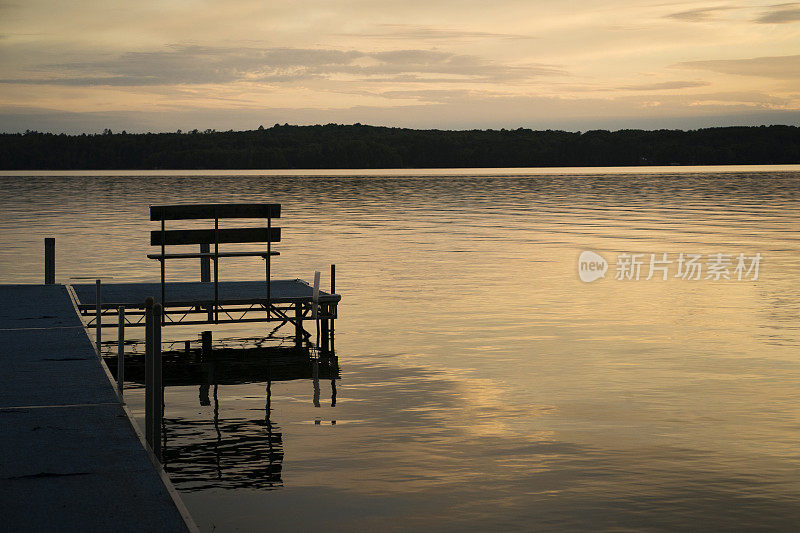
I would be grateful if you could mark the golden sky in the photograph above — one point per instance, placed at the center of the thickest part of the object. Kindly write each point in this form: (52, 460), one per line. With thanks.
(572, 64)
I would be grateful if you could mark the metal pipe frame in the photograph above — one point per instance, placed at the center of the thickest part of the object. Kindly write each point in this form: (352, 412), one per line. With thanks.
(280, 312)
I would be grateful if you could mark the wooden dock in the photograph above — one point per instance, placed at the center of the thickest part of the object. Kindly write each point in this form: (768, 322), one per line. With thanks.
(72, 458)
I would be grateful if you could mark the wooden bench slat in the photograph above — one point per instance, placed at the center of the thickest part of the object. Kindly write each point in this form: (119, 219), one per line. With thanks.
(200, 211)
(201, 255)
(206, 236)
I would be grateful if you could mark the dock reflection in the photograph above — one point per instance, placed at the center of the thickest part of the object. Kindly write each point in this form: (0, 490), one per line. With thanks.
(230, 453)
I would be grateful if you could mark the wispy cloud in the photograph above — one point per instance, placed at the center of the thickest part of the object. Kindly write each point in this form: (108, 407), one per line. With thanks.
(664, 85)
(777, 67)
(432, 33)
(780, 14)
(185, 65)
(699, 15)
(437, 95)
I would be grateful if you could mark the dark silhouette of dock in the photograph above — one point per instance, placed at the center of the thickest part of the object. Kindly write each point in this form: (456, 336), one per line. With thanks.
(229, 453)
(71, 457)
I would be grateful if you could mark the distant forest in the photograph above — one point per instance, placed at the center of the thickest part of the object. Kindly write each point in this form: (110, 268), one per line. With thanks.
(360, 146)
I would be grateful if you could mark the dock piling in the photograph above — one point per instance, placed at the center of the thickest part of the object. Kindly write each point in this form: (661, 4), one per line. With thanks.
(206, 342)
(158, 389)
(148, 371)
(315, 304)
(49, 260)
(325, 334)
(333, 291)
(315, 296)
(205, 263)
(99, 313)
(298, 325)
(205, 271)
(121, 351)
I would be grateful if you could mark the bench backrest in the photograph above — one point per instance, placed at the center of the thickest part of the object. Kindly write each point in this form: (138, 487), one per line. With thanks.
(198, 211)
(217, 235)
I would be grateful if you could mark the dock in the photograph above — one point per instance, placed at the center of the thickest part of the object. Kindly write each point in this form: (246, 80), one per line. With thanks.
(72, 459)
(194, 293)
(289, 301)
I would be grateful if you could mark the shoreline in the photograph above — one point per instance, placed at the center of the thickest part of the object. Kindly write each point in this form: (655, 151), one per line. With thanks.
(413, 172)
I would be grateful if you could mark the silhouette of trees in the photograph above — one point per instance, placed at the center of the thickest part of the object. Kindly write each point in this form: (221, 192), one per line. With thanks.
(358, 146)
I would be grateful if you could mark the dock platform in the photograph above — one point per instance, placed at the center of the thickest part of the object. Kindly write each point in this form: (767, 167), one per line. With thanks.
(188, 293)
(291, 301)
(71, 457)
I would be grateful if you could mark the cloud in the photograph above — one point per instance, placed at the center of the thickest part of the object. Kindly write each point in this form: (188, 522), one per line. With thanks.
(435, 95)
(699, 15)
(781, 14)
(665, 85)
(423, 33)
(777, 67)
(186, 65)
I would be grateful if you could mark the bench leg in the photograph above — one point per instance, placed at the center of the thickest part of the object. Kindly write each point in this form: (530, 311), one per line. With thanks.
(298, 325)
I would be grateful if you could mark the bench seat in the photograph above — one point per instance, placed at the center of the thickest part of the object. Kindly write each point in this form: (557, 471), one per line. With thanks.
(201, 255)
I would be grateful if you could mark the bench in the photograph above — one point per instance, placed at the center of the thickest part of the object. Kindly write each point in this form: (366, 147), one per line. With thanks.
(215, 236)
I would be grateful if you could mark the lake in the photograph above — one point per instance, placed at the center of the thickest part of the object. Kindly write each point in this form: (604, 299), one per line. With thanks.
(482, 384)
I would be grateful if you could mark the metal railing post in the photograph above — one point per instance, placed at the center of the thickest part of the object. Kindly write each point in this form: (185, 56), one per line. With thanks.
(205, 263)
(121, 351)
(148, 371)
(315, 305)
(332, 307)
(158, 389)
(98, 321)
(269, 266)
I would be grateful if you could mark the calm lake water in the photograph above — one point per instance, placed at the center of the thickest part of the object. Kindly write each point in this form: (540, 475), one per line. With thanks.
(482, 385)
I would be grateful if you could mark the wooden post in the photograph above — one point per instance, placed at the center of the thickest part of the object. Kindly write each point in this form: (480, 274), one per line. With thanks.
(298, 325)
(148, 371)
(325, 347)
(158, 388)
(49, 260)
(205, 263)
(315, 378)
(206, 341)
(121, 351)
(208, 364)
(98, 321)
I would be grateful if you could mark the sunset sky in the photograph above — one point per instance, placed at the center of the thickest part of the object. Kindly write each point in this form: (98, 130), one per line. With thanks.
(576, 65)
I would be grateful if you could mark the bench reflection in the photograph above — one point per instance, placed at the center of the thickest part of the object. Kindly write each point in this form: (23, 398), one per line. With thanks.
(236, 452)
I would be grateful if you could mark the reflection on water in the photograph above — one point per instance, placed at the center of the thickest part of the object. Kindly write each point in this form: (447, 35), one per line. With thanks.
(484, 386)
(228, 453)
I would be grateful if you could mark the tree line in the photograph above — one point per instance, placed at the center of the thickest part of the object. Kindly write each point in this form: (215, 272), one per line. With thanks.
(360, 146)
